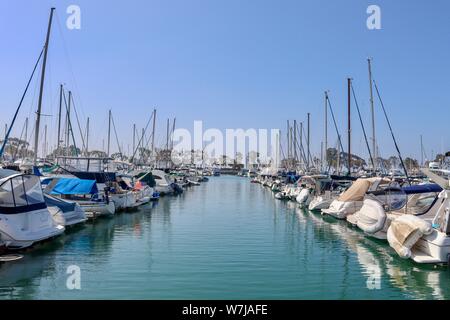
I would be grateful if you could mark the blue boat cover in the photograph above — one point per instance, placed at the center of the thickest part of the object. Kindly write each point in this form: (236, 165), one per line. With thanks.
(65, 206)
(71, 186)
(422, 188)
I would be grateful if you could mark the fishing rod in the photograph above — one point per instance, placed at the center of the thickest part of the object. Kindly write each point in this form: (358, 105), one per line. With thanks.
(20, 104)
(362, 125)
(392, 132)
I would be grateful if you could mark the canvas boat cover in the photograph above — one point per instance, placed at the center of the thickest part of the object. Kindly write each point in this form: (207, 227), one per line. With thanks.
(71, 186)
(65, 206)
(359, 188)
(356, 191)
(422, 188)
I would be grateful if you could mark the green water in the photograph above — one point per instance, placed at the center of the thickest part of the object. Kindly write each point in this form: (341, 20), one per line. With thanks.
(225, 239)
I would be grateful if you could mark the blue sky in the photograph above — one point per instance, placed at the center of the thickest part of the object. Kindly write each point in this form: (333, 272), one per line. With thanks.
(235, 64)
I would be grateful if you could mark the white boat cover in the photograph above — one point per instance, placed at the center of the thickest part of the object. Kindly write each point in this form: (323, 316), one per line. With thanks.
(371, 217)
(405, 231)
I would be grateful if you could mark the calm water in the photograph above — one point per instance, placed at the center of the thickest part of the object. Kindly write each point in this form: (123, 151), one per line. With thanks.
(225, 239)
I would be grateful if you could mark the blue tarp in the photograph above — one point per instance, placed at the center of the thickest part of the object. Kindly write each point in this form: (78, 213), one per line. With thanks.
(72, 186)
(422, 188)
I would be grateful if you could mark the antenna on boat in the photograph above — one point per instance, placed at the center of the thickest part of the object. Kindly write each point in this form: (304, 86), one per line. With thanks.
(41, 90)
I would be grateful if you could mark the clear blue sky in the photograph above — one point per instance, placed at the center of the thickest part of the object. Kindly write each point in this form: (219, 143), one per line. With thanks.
(249, 64)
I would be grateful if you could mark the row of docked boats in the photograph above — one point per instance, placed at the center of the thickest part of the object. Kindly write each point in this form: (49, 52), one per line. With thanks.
(413, 215)
(39, 206)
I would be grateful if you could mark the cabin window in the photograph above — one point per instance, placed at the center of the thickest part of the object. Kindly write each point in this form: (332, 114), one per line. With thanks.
(6, 195)
(157, 177)
(20, 196)
(32, 185)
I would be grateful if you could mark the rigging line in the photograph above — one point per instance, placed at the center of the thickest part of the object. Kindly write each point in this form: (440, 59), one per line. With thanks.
(70, 127)
(140, 139)
(20, 142)
(78, 122)
(20, 104)
(335, 125)
(392, 133)
(362, 125)
(309, 155)
(302, 153)
(302, 150)
(117, 138)
(69, 63)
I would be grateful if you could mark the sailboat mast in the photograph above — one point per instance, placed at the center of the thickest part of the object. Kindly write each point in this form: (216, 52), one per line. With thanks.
(308, 141)
(109, 133)
(26, 138)
(288, 142)
(153, 132)
(167, 137)
(41, 90)
(59, 118)
(326, 128)
(68, 124)
(45, 142)
(373, 115)
(295, 142)
(349, 155)
(87, 138)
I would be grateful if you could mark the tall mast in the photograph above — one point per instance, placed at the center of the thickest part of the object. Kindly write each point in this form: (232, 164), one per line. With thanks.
(26, 138)
(349, 155)
(301, 138)
(421, 151)
(308, 141)
(173, 131)
(59, 118)
(167, 137)
(41, 90)
(109, 133)
(373, 115)
(153, 131)
(134, 137)
(288, 142)
(69, 127)
(326, 128)
(45, 142)
(87, 137)
(295, 142)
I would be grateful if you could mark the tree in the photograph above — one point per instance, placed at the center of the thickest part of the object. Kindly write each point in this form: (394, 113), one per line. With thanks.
(411, 163)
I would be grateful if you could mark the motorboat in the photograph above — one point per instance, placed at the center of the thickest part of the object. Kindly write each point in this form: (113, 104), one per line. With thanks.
(66, 213)
(163, 183)
(329, 190)
(310, 186)
(351, 200)
(24, 216)
(382, 207)
(84, 192)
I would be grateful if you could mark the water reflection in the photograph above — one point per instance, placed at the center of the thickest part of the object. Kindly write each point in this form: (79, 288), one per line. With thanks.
(379, 262)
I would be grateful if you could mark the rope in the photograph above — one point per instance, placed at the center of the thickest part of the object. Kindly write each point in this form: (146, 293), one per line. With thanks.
(392, 133)
(20, 104)
(362, 125)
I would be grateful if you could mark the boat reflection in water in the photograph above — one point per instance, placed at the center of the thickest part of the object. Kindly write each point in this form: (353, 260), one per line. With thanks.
(380, 264)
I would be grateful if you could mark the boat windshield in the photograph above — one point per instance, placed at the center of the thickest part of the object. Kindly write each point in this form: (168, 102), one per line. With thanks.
(21, 191)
